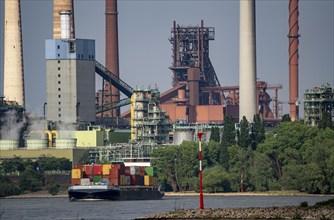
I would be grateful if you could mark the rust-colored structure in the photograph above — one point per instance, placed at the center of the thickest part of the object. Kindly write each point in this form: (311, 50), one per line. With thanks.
(111, 93)
(196, 95)
(293, 58)
(62, 5)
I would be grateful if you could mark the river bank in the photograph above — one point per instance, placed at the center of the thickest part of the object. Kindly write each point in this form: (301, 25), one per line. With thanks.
(288, 212)
(63, 194)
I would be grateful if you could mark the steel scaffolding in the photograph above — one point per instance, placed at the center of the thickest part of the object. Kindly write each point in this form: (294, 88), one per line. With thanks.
(316, 102)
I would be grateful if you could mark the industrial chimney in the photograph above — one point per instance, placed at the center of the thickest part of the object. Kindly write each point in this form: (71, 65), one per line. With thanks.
(111, 93)
(293, 58)
(13, 55)
(65, 24)
(58, 6)
(247, 65)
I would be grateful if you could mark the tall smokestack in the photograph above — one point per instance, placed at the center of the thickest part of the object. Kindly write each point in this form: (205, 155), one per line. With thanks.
(58, 6)
(112, 63)
(293, 58)
(247, 65)
(13, 55)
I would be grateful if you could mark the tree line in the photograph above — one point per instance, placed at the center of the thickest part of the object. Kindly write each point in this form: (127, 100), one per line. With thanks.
(31, 174)
(293, 156)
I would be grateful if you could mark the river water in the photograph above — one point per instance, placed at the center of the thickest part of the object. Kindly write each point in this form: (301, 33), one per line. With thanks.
(61, 208)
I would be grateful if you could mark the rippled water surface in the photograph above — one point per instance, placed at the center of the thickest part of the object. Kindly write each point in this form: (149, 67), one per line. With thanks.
(61, 208)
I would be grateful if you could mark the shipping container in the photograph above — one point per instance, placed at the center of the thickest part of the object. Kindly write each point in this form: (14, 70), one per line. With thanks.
(114, 172)
(134, 180)
(148, 180)
(106, 168)
(155, 181)
(84, 175)
(141, 181)
(118, 165)
(127, 171)
(142, 171)
(85, 182)
(134, 170)
(114, 182)
(75, 181)
(149, 171)
(127, 180)
(88, 169)
(76, 174)
(98, 169)
(78, 166)
(97, 178)
(106, 176)
(122, 180)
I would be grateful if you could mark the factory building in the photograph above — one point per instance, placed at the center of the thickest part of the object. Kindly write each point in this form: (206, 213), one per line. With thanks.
(70, 78)
(316, 102)
(149, 124)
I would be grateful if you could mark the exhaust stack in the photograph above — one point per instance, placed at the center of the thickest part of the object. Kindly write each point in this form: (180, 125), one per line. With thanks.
(247, 65)
(111, 93)
(62, 6)
(293, 59)
(13, 54)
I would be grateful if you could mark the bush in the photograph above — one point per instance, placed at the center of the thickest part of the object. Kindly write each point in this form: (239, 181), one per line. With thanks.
(31, 180)
(7, 188)
(54, 189)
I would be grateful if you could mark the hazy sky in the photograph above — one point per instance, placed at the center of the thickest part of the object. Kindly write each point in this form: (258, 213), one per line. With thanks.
(145, 51)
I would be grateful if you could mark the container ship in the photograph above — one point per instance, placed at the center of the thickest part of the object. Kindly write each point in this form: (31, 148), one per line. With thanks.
(113, 182)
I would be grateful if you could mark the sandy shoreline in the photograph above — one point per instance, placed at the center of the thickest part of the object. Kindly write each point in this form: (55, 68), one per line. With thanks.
(63, 194)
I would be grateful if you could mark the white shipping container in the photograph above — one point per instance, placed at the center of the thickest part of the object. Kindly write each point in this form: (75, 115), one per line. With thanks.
(84, 182)
(134, 170)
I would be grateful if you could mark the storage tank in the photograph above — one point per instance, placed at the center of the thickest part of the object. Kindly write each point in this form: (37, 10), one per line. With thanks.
(34, 144)
(66, 143)
(9, 144)
(184, 135)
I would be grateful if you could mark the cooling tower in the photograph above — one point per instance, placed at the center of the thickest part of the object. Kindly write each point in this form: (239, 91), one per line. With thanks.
(247, 65)
(112, 93)
(13, 55)
(58, 6)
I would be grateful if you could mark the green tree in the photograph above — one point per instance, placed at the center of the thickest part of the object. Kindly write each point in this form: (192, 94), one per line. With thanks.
(215, 134)
(212, 153)
(257, 131)
(216, 179)
(239, 163)
(228, 137)
(177, 166)
(286, 118)
(31, 180)
(244, 139)
(284, 146)
(325, 121)
(261, 173)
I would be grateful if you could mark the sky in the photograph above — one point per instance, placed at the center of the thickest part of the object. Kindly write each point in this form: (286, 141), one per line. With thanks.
(145, 51)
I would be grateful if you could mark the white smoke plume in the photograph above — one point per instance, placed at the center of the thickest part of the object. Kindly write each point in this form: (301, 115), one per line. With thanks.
(11, 126)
